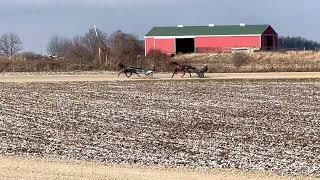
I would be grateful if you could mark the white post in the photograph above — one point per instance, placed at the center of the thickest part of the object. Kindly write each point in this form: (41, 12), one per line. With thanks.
(99, 50)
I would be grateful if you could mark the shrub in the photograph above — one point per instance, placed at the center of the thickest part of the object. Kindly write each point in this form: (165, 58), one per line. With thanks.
(158, 59)
(240, 59)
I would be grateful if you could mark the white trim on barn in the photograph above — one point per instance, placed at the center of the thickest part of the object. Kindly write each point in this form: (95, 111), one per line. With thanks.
(197, 36)
(170, 37)
(261, 42)
(145, 47)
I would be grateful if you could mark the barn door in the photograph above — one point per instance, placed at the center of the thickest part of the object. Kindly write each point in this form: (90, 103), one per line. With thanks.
(185, 45)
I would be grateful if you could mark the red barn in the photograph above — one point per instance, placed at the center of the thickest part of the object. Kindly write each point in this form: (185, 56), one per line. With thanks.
(210, 39)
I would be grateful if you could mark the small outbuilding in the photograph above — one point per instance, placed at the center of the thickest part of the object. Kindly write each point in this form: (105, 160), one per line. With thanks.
(210, 39)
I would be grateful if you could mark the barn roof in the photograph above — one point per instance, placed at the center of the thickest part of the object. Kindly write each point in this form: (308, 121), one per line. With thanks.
(208, 30)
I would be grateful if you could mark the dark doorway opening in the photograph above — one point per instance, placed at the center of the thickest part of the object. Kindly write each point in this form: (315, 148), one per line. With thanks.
(270, 43)
(185, 45)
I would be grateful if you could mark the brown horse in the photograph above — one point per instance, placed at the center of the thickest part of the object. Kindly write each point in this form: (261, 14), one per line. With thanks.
(188, 69)
(128, 71)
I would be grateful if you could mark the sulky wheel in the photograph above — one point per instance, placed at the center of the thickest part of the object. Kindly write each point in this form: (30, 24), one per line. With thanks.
(200, 74)
(128, 74)
(149, 74)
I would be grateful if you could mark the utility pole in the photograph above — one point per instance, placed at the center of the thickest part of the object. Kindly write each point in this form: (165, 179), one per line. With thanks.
(98, 42)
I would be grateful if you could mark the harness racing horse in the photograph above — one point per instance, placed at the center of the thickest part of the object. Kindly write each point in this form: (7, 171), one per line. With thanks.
(188, 69)
(129, 71)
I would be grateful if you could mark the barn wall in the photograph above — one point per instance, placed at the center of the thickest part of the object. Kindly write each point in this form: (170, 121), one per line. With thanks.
(225, 44)
(149, 45)
(269, 33)
(166, 46)
(273, 45)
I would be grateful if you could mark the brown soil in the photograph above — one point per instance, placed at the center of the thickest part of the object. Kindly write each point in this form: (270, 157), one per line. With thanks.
(247, 125)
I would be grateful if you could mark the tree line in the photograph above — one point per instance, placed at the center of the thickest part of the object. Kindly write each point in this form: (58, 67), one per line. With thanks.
(94, 46)
(97, 47)
(297, 43)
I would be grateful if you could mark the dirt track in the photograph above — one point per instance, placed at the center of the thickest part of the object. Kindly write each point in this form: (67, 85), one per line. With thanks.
(22, 168)
(109, 76)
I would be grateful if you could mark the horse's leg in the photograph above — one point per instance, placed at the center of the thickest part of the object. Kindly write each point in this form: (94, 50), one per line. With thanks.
(136, 73)
(184, 73)
(174, 72)
(122, 71)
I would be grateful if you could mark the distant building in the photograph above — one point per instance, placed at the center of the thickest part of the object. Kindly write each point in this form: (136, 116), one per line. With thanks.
(210, 39)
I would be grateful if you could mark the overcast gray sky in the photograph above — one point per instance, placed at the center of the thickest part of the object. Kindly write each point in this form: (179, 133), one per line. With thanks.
(35, 21)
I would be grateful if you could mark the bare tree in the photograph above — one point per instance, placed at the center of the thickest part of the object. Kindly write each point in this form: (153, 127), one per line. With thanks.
(57, 46)
(77, 51)
(85, 48)
(10, 44)
(125, 47)
(92, 42)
